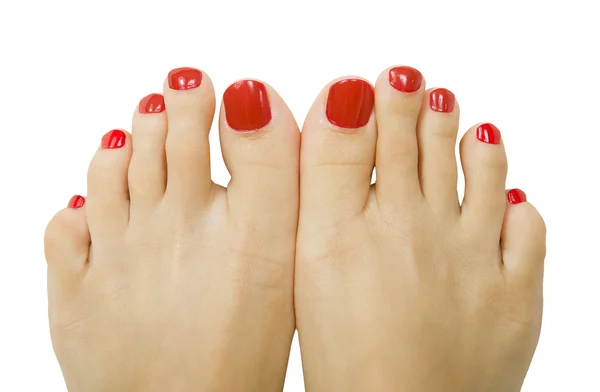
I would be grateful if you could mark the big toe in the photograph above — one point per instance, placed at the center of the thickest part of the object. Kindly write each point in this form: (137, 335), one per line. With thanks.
(338, 151)
(260, 141)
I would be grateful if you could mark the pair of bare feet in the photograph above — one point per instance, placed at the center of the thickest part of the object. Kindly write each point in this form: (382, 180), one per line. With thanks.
(161, 280)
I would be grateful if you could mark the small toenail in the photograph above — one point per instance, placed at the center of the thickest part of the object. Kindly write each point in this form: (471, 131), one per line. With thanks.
(488, 133)
(350, 103)
(441, 100)
(247, 105)
(153, 103)
(405, 79)
(184, 78)
(76, 202)
(516, 196)
(114, 139)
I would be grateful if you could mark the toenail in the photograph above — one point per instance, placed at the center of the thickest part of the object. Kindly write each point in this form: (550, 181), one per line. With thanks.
(350, 103)
(516, 196)
(76, 202)
(441, 100)
(405, 79)
(247, 105)
(184, 78)
(153, 103)
(114, 139)
(488, 133)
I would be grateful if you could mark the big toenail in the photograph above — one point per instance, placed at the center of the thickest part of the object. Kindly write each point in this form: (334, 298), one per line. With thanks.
(184, 78)
(247, 105)
(488, 133)
(76, 202)
(441, 100)
(405, 79)
(516, 196)
(114, 139)
(153, 103)
(350, 103)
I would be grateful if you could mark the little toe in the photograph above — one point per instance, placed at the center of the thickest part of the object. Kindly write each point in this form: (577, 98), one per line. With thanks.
(107, 204)
(338, 150)
(190, 105)
(260, 141)
(437, 131)
(148, 167)
(485, 166)
(523, 240)
(398, 98)
(67, 240)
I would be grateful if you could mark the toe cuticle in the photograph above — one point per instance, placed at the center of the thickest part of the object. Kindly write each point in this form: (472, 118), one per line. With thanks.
(76, 202)
(516, 196)
(350, 103)
(114, 139)
(184, 78)
(247, 106)
(441, 100)
(488, 133)
(152, 103)
(405, 79)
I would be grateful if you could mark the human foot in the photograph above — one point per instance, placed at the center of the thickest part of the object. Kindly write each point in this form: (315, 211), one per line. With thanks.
(186, 286)
(398, 286)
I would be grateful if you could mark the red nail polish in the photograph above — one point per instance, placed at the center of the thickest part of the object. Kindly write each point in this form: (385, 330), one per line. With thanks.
(184, 78)
(114, 139)
(350, 103)
(441, 100)
(405, 79)
(76, 202)
(516, 196)
(488, 133)
(247, 105)
(153, 103)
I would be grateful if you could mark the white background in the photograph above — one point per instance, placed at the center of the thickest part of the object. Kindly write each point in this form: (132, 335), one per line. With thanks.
(71, 70)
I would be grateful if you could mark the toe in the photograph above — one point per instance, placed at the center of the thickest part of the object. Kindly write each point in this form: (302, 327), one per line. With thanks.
(398, 97)
(190, 105)
(484, 165)
(523, 238)
(107, 205)
(436, 131)
(338, 150)
(260, 141)
(148, 167)
(67, 239)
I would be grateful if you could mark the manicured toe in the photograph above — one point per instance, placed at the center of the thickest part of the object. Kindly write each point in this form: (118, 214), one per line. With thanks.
(67, 239)
(398, 97)
(190, 106)
(437, 131)
(338, 150)
(107, 205)
(484, 165)
(148, 167)
(260, 141)
(523, 239)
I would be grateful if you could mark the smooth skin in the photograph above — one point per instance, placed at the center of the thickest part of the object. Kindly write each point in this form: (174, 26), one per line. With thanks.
(163, 280)
(398, 286)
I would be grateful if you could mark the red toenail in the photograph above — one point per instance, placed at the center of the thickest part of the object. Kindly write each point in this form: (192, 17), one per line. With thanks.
(441, 100)
(405, 79)
(184, 78)
(516, 196)
(76, 202)
(114, 139)
(247, 105)
(350, 103)
(153, 103)
(488, 133)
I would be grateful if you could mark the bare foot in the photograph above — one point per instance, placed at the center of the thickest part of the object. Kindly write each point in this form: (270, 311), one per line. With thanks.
(163, 281)
(399, 287)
